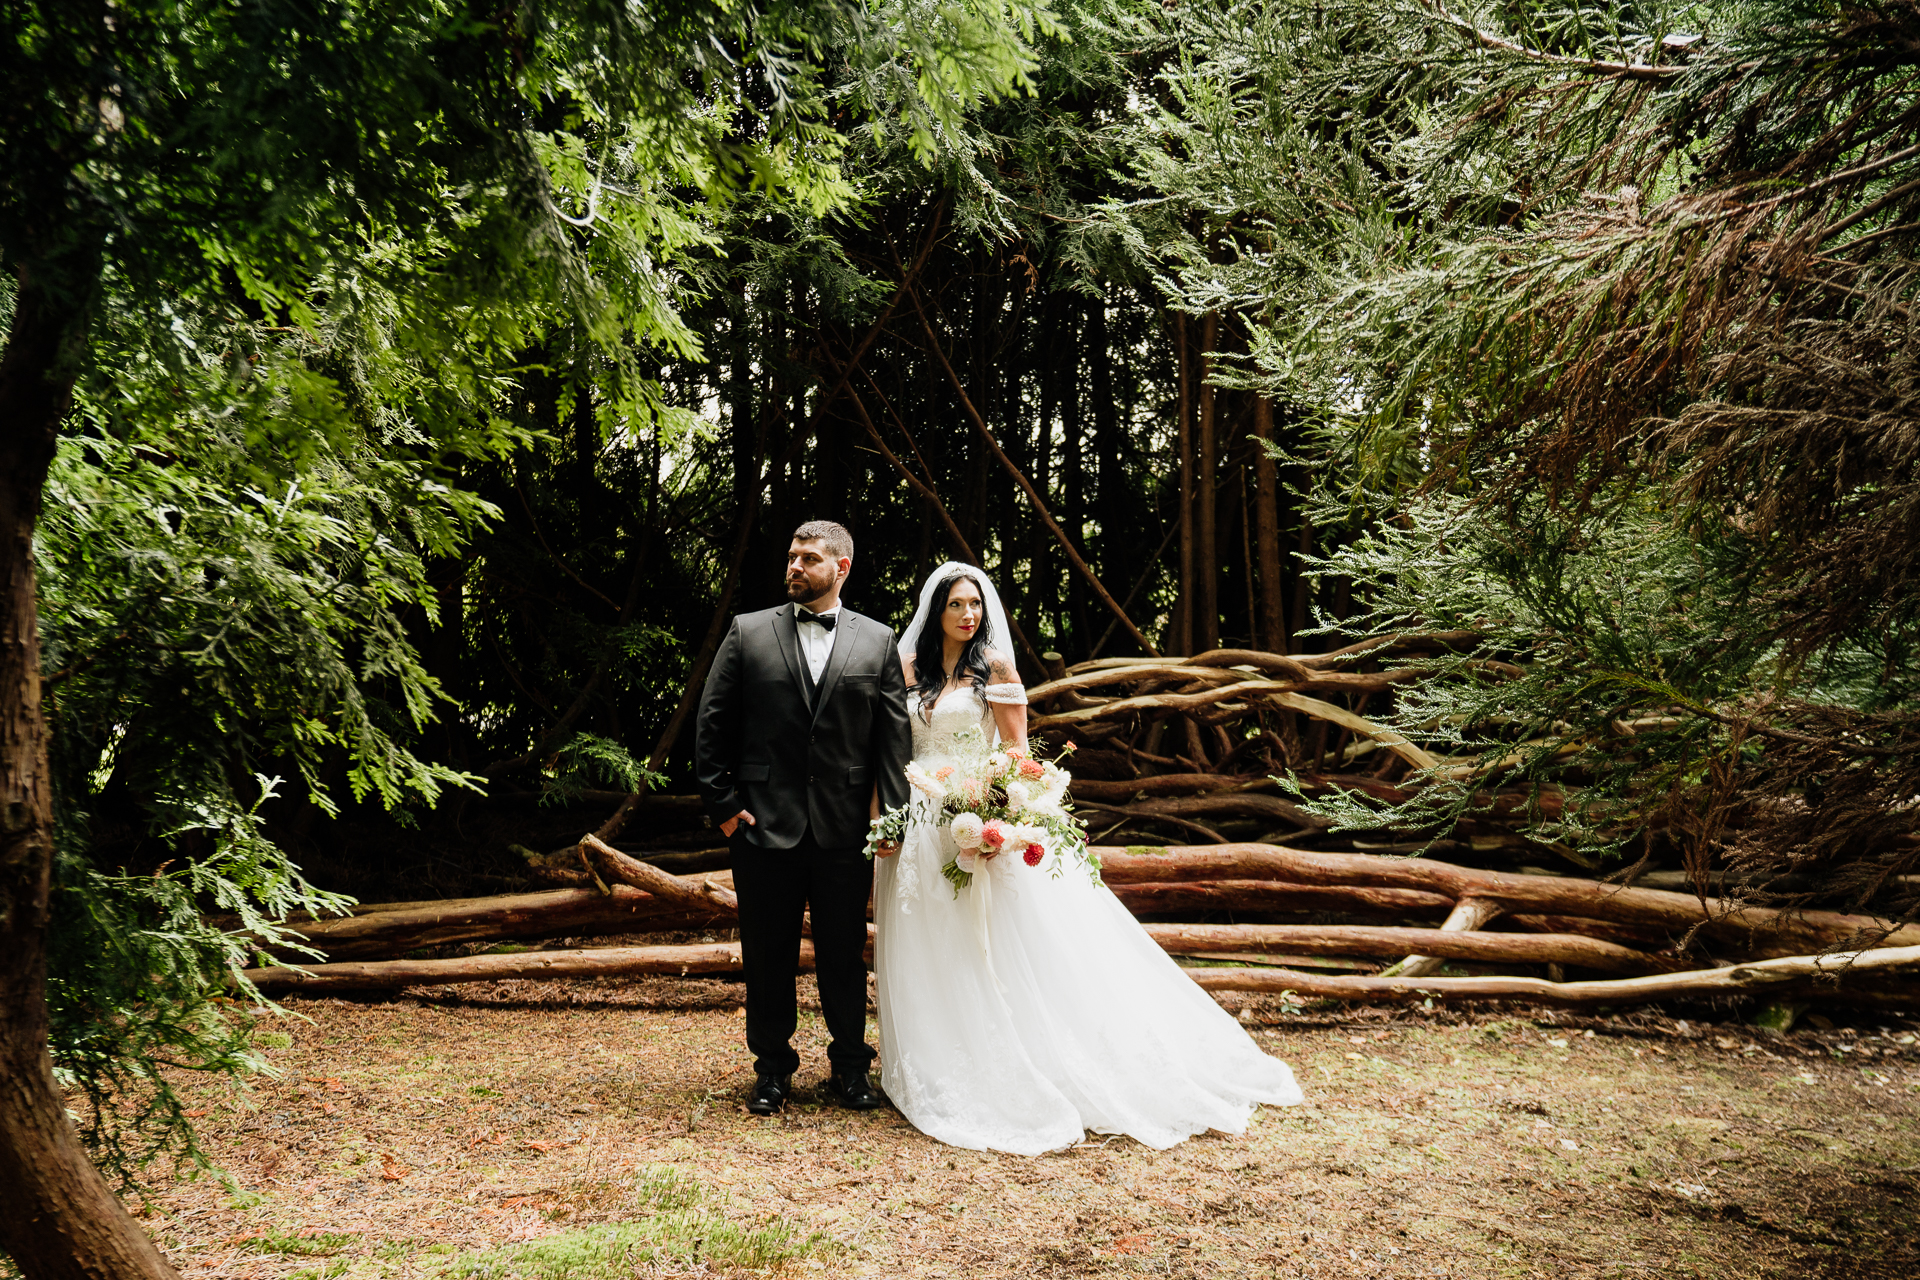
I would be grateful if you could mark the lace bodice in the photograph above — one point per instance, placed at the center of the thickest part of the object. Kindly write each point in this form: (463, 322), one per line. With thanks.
(957, 711)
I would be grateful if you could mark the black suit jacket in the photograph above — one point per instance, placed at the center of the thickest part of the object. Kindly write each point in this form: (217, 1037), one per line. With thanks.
(759, 747)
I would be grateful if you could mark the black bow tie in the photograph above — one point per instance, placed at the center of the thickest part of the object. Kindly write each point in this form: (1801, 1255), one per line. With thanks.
(826, 620)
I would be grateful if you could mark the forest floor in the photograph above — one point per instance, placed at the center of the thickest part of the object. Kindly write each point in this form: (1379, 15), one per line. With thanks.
(595, 1131)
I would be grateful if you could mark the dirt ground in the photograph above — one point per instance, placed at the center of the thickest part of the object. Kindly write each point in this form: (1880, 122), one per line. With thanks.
(596, 1131)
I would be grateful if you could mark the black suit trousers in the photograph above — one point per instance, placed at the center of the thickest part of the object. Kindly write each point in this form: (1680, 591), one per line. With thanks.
(775, 887)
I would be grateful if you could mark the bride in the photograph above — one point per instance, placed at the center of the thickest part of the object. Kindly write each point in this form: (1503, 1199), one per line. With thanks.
(1018, 1013)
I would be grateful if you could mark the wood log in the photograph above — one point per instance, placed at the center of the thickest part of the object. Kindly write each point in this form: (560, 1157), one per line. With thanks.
(597, 962)
(1468, 915)
(1386, 940)
(1233, 804)
(1165, 784)
(1831, 976)
(1643, 937)
(1268, 895)
(1129, 818)
(385, 929)
(682, 806)
(1286, 961)
(593, 962)
(691, 895)
(1764, 933)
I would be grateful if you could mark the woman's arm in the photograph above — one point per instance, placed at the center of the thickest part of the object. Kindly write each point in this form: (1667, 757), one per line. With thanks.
(1008, 698)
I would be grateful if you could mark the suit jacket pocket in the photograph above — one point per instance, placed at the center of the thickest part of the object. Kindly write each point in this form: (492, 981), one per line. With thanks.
(861, 677)
(859, 774)
(752, 773)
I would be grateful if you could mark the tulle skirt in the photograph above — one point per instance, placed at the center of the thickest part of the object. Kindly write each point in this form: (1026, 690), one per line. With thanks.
(1033, 1007)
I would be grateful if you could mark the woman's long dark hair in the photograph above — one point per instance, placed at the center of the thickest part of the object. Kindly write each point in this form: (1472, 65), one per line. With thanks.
(930, 674)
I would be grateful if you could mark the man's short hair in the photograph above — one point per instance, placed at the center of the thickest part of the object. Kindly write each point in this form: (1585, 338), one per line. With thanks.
(839, 541)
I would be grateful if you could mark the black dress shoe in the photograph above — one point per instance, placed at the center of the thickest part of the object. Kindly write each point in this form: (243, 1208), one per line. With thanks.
(769, 1094)
(853, 1089)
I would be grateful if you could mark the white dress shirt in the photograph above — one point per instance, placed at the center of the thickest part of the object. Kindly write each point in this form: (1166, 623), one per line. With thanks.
(816, 643)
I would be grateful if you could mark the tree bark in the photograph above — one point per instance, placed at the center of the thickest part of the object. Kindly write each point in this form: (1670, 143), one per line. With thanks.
(1272, 631)
(59, 1217)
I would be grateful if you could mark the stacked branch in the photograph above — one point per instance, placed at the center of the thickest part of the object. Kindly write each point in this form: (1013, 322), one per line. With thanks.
(1184, 747)
(1425, 913)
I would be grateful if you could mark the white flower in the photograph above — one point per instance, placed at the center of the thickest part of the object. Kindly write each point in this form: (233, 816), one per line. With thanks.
(925, 782)
(1019, 795)
(966, 831)
(1044, 805)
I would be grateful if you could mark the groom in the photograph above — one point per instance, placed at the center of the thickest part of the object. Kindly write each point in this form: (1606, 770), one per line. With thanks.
(802, 737)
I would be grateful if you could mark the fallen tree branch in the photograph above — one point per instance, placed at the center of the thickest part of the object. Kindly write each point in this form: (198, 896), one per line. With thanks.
(1771, 977)
(1166, 784)
(1387, 940)
(557, 913)
(1266, 895)
(1760, 931)
(688, 894)
(1467, 915)
(598, 962)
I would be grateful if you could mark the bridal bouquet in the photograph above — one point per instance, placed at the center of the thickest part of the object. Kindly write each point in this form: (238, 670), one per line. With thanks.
(995, 801)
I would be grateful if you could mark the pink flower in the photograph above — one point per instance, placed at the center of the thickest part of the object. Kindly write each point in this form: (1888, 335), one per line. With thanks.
(993, 835)
(1032, 769)
(970, 789)
(944, 772)
(1034, 853)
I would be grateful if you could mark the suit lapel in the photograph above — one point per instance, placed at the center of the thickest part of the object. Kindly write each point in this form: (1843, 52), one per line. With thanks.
(787, 632)
(844, 635)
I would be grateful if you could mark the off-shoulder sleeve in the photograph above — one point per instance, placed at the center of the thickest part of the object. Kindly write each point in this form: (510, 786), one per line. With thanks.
(1012, 693)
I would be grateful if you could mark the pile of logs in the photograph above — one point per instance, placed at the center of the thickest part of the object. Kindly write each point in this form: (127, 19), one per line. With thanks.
(1520, 935)
(1174, 748)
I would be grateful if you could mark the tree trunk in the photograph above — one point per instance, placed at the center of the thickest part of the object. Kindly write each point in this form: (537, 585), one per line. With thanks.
(59, 1218)
(1183, 611)
(1272, 631)
(1206, 598)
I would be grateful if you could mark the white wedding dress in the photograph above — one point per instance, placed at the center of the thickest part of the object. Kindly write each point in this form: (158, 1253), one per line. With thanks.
(1081, 1021)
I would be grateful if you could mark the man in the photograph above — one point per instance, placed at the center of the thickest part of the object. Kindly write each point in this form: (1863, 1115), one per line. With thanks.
(802, 737)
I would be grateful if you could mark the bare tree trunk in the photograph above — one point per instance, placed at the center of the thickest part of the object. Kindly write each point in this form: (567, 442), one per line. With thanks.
(1039, 506)
(927, 493)
(1206, 599)
(1183, 618)
(59, 1217)
(1273, 624)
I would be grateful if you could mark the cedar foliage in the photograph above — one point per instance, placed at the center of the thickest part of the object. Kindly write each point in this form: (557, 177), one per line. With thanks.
(1607, 316)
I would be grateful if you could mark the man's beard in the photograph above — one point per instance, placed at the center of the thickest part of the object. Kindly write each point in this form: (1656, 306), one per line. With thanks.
(801, 591)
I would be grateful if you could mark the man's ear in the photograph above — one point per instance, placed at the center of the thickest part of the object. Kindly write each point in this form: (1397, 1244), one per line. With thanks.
(846, 565)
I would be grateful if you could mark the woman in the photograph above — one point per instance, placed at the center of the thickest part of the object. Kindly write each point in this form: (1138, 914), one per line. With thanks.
(1016, 1015)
